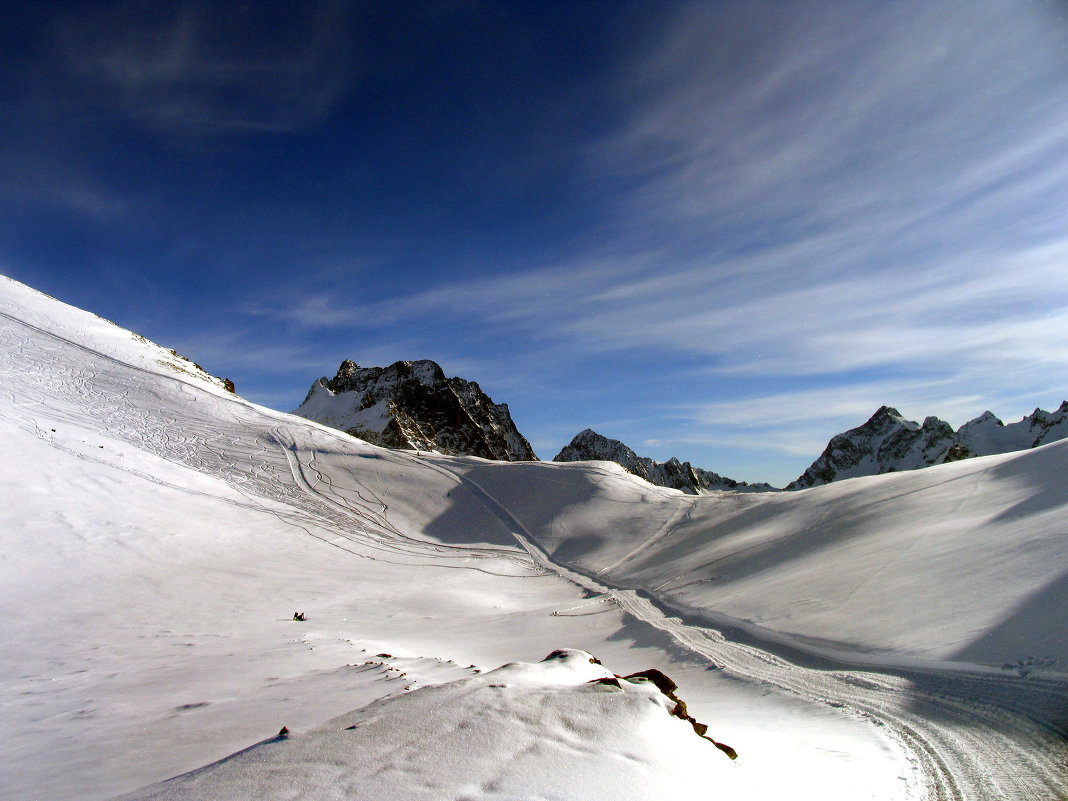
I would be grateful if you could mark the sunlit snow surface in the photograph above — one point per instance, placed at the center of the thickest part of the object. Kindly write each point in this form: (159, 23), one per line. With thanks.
(157, 535)
(543, 730)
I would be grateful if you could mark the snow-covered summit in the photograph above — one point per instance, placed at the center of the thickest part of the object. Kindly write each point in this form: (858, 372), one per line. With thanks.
(589, 446)
(412, 405)
(986, 434)
(888, 442)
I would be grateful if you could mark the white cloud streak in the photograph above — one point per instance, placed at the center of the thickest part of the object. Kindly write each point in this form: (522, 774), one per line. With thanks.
(981, 308)
(200, 70)
(871, 195)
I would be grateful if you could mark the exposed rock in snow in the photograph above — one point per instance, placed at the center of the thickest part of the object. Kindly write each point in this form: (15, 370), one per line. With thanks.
(413, 406)
(888, 443)
(590, 446)
(562, 728)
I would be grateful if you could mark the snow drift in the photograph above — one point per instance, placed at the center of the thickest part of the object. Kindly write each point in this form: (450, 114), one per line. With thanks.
(549, 726)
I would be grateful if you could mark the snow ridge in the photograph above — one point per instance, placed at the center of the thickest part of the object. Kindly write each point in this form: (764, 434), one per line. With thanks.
(523, 730)
(888, 442)
(411, 405)
(588, 446)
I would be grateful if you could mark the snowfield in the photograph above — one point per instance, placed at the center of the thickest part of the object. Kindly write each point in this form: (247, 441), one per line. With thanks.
(959, 563)
(892, 637)
(520, 731)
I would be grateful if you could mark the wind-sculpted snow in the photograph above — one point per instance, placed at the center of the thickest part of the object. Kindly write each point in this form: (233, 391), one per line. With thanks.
(893, 582)
(236, 442)
(954, 552)
(158, 533)
(549, 726)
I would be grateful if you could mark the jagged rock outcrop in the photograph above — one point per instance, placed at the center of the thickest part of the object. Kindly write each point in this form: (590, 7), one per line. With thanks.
(888, 442)
(589, 446)
(413, 406)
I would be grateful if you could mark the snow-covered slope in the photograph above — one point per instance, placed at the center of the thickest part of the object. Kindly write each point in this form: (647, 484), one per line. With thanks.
(589, 446)
(412, 405)
(158, 533)
(961, 562)
(888, 442)
(548, 726)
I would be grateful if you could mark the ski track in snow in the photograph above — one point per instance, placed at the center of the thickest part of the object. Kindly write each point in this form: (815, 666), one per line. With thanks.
(265, 465)
(1010, 745)
(682, 513)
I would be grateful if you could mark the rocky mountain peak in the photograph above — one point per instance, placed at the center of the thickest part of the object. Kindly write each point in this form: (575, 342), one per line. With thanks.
(887, 418)
(347, 370)
(353, 378)
(888, 442)
(412, 405)
(588, 446)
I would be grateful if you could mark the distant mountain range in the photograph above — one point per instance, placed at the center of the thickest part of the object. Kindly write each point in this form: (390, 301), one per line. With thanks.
(888, 442)
(412, 405)
(588, 446)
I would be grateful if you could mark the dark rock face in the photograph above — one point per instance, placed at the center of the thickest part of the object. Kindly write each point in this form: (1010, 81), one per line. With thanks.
(413, 406)
(588, 445)
(885, 443)
(667, 688)
(888, 442)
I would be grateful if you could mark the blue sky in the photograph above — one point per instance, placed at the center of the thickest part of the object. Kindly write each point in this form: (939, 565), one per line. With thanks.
(723, 231)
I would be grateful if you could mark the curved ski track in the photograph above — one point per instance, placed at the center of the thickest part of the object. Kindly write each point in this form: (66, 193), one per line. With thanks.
(244, 446)
(1010, 745)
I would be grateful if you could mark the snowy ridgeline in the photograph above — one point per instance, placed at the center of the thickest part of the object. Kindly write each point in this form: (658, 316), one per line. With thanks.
(413, 406)
(565, 726)
(888, 442)
(159, 533)
(588, 446)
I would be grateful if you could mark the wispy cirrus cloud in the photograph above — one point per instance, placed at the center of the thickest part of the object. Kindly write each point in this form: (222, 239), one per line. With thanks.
(200, 69)
(873, 116)
(880, 185)
(865, 200)
(978, 307)
(69, 193)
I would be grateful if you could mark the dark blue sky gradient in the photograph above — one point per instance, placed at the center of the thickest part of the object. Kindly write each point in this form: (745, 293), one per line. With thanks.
(723, 231)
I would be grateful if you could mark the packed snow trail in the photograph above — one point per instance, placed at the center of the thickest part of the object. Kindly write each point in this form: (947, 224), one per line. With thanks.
(1009, 746)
